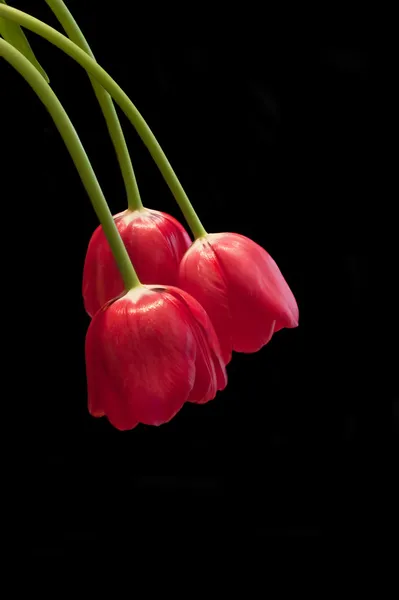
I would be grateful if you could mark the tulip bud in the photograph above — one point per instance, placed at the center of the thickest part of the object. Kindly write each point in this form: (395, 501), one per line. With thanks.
(155, 242)
(241, 288)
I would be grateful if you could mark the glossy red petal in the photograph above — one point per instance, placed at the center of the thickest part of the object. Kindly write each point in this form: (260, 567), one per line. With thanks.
(200, 276)
(148, 355)
(210, 370)
(177, 237)
(101, 278)
(103, 397)
(156, 244)
(259, 297)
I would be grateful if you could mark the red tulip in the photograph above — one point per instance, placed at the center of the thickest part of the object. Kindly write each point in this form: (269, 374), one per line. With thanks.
(241, 288)
(147, 353)
(155, 242)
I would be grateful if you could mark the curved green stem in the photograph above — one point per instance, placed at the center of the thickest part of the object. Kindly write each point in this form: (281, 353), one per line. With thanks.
(107, 106)
(79, 157)
(121, 99)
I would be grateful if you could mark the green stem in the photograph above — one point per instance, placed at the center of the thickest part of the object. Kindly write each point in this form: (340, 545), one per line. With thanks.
(121, 99)
(107, 106)
(79, 157)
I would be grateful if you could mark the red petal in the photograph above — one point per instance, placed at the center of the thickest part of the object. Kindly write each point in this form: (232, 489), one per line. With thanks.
(101, 278)
(156, 243)
(258, 293)
(177, 237)
(210, 371)
(200, 276)
(146, 352)
(103, 398)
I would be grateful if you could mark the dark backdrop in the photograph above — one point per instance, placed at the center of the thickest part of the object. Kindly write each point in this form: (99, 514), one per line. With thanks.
(274, 136)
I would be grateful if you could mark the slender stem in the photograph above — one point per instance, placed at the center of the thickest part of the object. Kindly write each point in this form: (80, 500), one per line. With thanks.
(79, 157)
(121, 99)
(107, 106)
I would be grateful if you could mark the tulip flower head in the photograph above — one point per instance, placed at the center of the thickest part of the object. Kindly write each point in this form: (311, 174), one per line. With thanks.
(147, 353)
(241, 288)
(155, 242)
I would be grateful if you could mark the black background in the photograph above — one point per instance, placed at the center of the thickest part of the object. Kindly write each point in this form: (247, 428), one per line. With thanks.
(274, 135)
